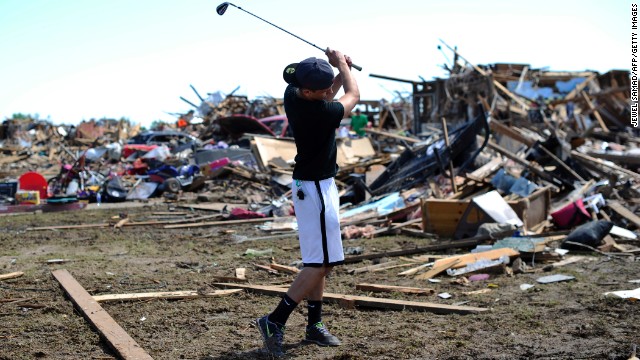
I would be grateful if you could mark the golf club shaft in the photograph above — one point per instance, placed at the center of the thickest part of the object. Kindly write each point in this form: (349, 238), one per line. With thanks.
(359, 68)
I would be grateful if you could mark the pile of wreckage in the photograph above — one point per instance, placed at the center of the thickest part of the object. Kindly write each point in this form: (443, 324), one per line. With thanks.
(506, 154)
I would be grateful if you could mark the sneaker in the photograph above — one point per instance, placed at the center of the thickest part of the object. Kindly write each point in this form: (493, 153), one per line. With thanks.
(272, 335)
(318, 333)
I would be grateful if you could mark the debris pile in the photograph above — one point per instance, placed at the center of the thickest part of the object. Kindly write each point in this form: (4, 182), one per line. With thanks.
(509, 158)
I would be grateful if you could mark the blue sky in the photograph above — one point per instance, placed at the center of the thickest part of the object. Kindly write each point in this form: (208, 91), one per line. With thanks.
(73, 60)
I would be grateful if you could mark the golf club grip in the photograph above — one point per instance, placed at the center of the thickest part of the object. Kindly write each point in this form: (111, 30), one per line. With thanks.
(359, 68)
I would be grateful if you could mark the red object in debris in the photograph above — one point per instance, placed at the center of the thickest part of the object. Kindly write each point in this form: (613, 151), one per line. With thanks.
(129, 149)
(218, 163)
(571, 215)
(33, 181)
(238, 213)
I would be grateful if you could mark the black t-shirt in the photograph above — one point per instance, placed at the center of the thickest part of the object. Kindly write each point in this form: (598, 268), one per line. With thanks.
(314, 125)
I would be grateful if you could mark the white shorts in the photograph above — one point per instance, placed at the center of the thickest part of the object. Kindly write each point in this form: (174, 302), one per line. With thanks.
(318, 222)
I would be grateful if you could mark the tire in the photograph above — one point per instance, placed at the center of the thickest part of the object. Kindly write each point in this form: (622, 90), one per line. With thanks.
(172, 185)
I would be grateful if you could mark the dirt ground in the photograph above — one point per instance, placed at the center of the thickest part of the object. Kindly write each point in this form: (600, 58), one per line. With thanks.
(564, 320)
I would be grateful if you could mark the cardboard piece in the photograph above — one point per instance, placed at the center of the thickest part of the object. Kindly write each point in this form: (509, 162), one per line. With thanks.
(350, 151)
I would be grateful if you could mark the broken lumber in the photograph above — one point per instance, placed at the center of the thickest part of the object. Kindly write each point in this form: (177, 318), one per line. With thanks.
(467, 259)
(365, 301)
(595, 112)
(380, 266)
(87, 226)
(463, 243)
(216, 223)
(391, 288)
(285, 268)
(438, 268)
(414, 270)
(108, 328)
(513, 96)
(594, 161)
(391, 135)
(531, 166)
(12, 275)
(624, 212)
(170, 295)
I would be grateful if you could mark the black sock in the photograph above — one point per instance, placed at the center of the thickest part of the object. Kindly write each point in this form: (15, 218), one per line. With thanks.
(315, 311)
(281, 314)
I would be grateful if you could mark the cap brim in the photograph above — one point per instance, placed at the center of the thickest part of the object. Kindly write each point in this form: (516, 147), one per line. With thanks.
(289, 74)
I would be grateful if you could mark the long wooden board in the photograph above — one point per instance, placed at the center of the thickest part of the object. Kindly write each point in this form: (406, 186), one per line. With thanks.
(469, 258)
(186, 294)
(216, 223)
(108, 328)
(391, 288)
(87, 226)
(625, 213)
(366, 301)
(437, 269)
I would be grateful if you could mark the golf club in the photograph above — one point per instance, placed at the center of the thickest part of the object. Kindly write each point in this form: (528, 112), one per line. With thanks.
(222, 8)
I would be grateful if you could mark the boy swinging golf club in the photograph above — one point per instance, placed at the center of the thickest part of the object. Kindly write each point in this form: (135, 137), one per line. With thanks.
(314, 117)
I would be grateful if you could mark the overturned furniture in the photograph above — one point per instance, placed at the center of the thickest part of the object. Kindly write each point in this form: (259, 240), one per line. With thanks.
(462, 218)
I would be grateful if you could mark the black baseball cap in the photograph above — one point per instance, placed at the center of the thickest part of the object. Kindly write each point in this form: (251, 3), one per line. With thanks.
(311, 73)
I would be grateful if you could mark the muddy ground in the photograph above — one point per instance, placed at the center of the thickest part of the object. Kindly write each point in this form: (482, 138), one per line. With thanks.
(565, 320)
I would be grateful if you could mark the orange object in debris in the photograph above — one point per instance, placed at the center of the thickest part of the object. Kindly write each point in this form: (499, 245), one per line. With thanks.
(33, 181)
(182, 123)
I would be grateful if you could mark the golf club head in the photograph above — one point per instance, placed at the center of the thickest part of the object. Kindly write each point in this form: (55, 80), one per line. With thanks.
(222, 8)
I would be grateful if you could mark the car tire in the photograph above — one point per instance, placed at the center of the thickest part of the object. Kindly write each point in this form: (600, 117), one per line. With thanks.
(172, 185)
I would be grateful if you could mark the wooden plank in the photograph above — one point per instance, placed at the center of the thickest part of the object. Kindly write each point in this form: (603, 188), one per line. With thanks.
(630, 160)
(285, 268)
(578, 89)
(463, 243)
(12, 275)
(394, 226)
(418, 233)
(87, 226)
(228, 278)
(187, 294)
(373, 267)
(215, 206)
(601, 162)
(266, 268)
(467, 259)
(487, 169)
(365, 301)
(452, 174)
(108, 328)
(500, 128)
(391, 288)
(414, 270)
(392, 135)
(595, 111)
(438, 268)
(625, 213)
(216, 223)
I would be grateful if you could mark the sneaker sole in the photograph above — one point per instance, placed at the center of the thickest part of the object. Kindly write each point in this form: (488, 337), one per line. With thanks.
(308, 341)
